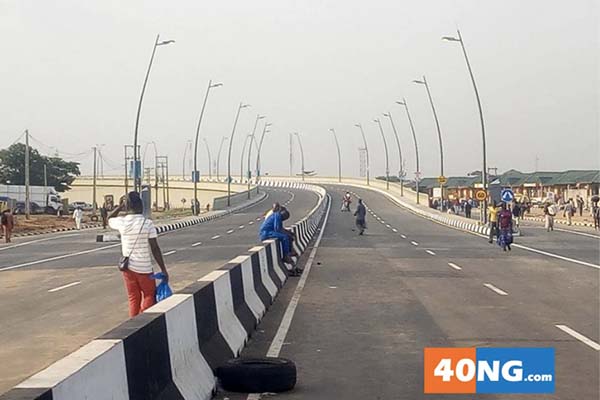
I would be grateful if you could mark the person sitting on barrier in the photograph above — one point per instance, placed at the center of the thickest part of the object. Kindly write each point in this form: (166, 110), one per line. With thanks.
(272, 228)
(138, 239)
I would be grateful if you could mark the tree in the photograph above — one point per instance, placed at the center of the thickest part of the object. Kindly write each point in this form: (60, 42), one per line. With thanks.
(60, 173)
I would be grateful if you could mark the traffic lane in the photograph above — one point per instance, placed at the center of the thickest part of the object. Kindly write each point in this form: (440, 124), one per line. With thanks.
(448, 309)
(73, 315)
(569, 291)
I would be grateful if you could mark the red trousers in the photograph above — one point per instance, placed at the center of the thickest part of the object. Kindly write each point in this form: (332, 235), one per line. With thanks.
(141, 291)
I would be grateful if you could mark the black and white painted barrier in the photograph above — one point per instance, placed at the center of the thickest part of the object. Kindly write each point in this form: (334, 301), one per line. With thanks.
(170, 351)
(114, 237)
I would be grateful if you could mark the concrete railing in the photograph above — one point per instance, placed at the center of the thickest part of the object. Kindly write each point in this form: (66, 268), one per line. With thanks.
(171, 350)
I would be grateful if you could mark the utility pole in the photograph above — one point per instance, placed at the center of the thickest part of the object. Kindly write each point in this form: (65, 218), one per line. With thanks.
(94, 184)
(168, 191)
(46, 185)
(27, 207)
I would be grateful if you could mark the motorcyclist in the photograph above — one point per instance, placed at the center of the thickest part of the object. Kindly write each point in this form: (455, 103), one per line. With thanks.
(346, 201)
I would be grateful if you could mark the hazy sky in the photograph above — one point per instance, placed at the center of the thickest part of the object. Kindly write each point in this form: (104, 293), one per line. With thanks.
(72, 70)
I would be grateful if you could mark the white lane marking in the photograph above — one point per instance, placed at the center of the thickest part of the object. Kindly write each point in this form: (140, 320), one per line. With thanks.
(579, 337)
(394, 230)
(403, 236)
(258, 219)
(430, 252)
(414, 243)
(286, 321)
(229, 232)
(36, 241)
(64, 287)
(196, 244)
(241, 227)
(587, 264)
(576, 232)
(168, 253)
(456, 267)
(215, 237)
(495, 289)
(28, 264)
(251, 222)
(388, 225)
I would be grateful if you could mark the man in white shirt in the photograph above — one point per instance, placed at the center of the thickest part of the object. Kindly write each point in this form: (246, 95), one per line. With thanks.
(138, 240)
(78, 216)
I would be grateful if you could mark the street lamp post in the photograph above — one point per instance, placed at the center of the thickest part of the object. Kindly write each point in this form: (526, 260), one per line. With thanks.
(412, 129)
(196, 174)
(387, 162)
(237, 116)
(209, 158)
(439, 132)
(258, 164)
(258, 117)
(242, 158)
(223, 140)
(401, 170)
(337, 145)
(484, 170)
(362, 132)
(301, 153)
(137, 176)
(188, 146)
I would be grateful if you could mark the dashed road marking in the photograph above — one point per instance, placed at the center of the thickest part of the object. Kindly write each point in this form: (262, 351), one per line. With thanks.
(388, 225)
(403, 236)
(168, 253)
(251, 222)
(579, 337)
(64, 287)
(394, 229)
(414, 243)
(196, 244)
(456, 267)
(258, 219)
(215, 237)
(229, 232)
(241, 227)
(430, 252)
(495, 289)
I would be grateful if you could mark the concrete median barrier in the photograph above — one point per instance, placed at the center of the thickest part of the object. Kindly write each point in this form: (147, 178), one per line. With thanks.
(172, 350)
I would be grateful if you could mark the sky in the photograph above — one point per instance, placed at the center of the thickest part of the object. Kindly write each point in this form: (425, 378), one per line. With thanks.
(72, 71)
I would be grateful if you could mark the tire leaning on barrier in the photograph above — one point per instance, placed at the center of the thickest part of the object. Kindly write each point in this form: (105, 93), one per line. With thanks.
(257, 375)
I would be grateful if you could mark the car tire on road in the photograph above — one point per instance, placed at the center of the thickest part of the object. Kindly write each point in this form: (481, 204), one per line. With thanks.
(257, 375)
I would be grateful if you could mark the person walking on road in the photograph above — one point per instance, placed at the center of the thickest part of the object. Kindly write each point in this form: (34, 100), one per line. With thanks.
(580, 204)
(138, 240)
(596, 215)
(271, 229)
(468, 208)
(8, 223)
(516, 212)
(549, 213)
(104, 215)
(569, 211)
(493, 221)
(78, 216)
(505, 237)
(361, 217)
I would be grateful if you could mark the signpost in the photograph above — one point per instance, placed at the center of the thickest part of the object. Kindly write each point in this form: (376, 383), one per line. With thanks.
(481, 195)
(507, 195)
(442, 180)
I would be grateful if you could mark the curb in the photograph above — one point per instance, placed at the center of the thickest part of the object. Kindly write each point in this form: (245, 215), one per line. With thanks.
(35, 233)
(560, 221)
(171, 350)
(113, 237)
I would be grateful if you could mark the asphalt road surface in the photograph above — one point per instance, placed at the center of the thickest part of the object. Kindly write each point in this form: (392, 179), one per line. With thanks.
(59, 291)
(372, 303)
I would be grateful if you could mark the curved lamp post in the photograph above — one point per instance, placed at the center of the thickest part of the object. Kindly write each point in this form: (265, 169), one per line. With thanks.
(242, 158)
(412, 129)
(209, 158)
(258, 165)
(258, 117)
(484, 170)
(223, 140)
(196, 174)
(301, 152)
(237, 116)
(439, 132)
(362, 132)
(188, 146)
(401, 170)
(337, 145)
(387, 162)
(137, 174)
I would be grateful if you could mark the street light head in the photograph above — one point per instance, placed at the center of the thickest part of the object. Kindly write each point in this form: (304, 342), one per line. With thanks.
(214, 85)
(164, 42)
(419, 82)
(358, 125)
(450, 39)
(260, 117)
(376, 120)
(245, 106)
(402, 103)
(386, 114)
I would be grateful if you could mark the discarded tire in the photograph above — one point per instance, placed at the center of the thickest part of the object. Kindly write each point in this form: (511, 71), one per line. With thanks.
(257, 375)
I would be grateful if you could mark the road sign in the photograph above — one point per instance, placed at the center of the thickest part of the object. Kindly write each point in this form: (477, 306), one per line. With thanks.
(196, 176)
(442, 179)
(481, 195)
(507, 195)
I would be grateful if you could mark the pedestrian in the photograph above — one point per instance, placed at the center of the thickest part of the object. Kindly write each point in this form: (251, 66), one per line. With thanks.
(138, 240)
(549, 213)
(569, 211)
(78, 216)
(104, 215)
(505, 238)
(8, 223)
(596, 215)
(346, 201)
(468, 207)
(271, 229)
(493, 221)
(580, 204)
(361, 217)
(516, 212)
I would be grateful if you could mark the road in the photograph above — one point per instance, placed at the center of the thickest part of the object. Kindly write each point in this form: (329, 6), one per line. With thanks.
(59, 291)
(371, 304)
